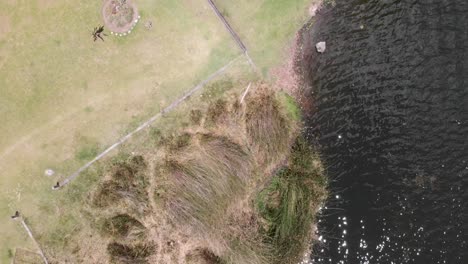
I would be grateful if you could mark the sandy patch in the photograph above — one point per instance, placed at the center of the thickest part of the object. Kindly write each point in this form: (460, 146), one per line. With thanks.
(46, 4)
(5, 26)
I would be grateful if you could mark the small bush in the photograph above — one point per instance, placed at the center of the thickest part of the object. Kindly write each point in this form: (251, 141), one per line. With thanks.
(288, 204)
(179, 142)
(123, 226)
(128, 182)
(196, 116)
(131, 254)
(204, 180)
(215, 111)
(203, 256)
(156, 135)
(267, 128)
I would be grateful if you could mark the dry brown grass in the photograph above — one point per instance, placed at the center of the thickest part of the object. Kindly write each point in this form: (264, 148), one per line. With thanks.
(127, 184)
(124, 227)
(204, 177)
(267, 128)
(23, 256)
(130, 254)
(204, 182)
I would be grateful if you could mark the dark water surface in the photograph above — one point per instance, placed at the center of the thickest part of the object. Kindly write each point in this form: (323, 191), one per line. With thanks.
(390, 114)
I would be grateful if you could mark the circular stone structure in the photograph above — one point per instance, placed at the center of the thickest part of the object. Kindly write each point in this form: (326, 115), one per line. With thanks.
(120, 16)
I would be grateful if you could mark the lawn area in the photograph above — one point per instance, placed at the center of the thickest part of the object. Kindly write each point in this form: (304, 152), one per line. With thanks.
(266, 27)
(65, 98)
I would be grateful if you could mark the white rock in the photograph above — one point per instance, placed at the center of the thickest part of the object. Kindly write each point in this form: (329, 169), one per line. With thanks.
(49, 172)
(321, 47)
(314, 8)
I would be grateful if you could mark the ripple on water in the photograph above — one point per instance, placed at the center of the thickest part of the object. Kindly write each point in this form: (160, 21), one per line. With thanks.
(391, 116)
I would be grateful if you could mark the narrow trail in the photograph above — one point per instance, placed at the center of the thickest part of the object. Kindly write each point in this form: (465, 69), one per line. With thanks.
(144, 125)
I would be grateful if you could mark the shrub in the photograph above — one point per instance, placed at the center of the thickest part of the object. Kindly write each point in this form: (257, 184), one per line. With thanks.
(215, 111)
(205, 179)
(196, 116)
(131, 254)
(128, 182)
(289, 202)
(267, 129)
(123, 226)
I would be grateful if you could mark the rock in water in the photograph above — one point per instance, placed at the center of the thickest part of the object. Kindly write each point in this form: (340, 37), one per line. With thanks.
(321, 47)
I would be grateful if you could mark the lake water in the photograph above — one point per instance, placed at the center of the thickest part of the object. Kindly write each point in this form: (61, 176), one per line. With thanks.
(390, 114)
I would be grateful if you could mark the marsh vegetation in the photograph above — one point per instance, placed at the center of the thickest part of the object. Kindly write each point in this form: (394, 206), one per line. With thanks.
(236, 185)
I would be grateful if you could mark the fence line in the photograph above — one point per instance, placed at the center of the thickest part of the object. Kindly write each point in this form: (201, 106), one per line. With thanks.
(233, 33)
(144, 125)
(228, 27)
(245, 93)
(28, 230)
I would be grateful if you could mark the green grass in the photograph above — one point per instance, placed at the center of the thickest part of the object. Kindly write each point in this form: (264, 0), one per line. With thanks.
(289, 202)
(266, 26)
(58, 85)
(292, 108)
(87, 152)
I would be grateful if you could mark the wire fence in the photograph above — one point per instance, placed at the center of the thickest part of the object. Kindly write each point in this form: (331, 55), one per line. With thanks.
(142, 126)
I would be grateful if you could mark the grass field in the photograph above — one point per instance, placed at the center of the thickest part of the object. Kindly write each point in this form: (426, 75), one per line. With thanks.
(65, 98)
(266, 27)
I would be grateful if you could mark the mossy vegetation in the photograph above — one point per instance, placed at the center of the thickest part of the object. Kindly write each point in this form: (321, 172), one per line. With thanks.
(211, 192)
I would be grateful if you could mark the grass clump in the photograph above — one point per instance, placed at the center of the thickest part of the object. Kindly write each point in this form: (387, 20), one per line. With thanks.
(203, 256)
(196, 116)
(292, 108)
(288, 204)
(215, 111)
(267, 127)
(130, 254)
(128, 183)
(204, 186)
(204, 178)
(123, 226)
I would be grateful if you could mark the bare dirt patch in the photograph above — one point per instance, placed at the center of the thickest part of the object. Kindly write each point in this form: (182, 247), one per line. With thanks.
(5, 26)
(45, 4)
